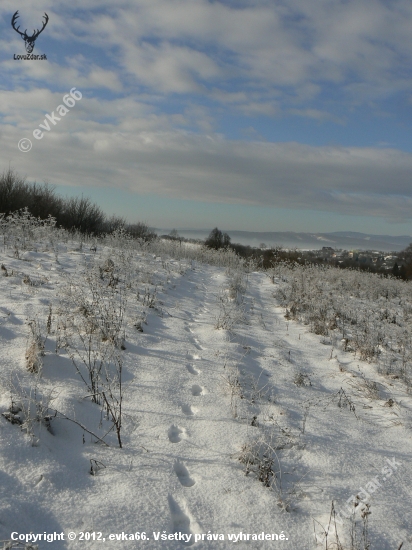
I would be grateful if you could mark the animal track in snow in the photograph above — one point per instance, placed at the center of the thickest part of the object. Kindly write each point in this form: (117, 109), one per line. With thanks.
(194, 357)
(187, 409)
(180, 519)
(197, 390)
(183, 474)
(193, 370)
(176, 434)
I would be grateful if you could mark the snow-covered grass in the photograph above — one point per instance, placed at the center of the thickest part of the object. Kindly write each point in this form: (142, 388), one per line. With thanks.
(358, 312)
(156, 388)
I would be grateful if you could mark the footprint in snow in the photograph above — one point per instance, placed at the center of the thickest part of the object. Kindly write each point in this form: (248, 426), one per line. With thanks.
(180, 519)
(176, 434)
(193, 370)
(187, 409)
(183, 474)
(197, 390)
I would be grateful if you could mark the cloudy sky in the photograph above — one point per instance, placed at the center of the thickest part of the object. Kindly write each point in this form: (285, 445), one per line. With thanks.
(259, 115)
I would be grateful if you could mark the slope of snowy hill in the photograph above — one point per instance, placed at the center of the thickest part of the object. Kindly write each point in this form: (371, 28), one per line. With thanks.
(236, 425)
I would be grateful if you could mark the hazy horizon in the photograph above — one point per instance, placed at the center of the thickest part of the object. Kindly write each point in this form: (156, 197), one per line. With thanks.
(208, 229)
(341, 240)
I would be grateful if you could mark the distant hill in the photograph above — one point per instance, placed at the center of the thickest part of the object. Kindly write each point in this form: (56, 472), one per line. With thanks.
(347, 240)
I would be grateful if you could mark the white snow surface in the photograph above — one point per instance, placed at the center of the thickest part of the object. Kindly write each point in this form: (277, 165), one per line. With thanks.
(185, 428)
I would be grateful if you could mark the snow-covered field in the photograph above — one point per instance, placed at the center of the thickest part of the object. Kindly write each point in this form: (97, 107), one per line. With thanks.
(234, 420)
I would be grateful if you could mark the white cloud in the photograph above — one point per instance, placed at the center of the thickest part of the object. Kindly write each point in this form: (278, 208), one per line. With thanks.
(186, 47)
(316, 114)
(169, 68)
(257, 58)
(347, 180)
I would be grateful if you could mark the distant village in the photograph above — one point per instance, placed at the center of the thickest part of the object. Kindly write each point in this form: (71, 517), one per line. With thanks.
(368, 260)
(374, 258)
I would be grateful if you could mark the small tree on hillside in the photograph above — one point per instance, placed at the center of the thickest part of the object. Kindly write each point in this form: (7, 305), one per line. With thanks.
(217, 239)
(226, 240)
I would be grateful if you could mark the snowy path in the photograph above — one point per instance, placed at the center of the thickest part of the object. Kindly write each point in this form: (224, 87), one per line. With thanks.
(183, 433)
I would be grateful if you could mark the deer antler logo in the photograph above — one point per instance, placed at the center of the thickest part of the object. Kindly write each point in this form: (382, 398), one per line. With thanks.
(28, 40)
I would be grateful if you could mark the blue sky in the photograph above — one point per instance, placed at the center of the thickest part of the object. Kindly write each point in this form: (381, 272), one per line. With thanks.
(253, 115)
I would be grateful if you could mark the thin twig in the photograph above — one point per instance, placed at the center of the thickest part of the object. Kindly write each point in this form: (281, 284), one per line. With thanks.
(79, 424)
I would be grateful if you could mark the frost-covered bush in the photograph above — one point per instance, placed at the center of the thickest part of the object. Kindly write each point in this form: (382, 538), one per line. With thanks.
(35, 347)
(20, 230)
(364, 313)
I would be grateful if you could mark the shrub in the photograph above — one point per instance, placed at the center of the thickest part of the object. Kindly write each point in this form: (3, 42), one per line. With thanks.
(217, 239)
(141, 231)
(80, 213)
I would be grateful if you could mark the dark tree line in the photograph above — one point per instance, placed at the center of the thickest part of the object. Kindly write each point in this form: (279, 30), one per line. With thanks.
(70, 212)
(403, 266)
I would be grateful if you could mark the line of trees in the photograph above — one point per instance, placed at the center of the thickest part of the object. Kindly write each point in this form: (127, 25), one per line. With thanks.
(70, 212)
